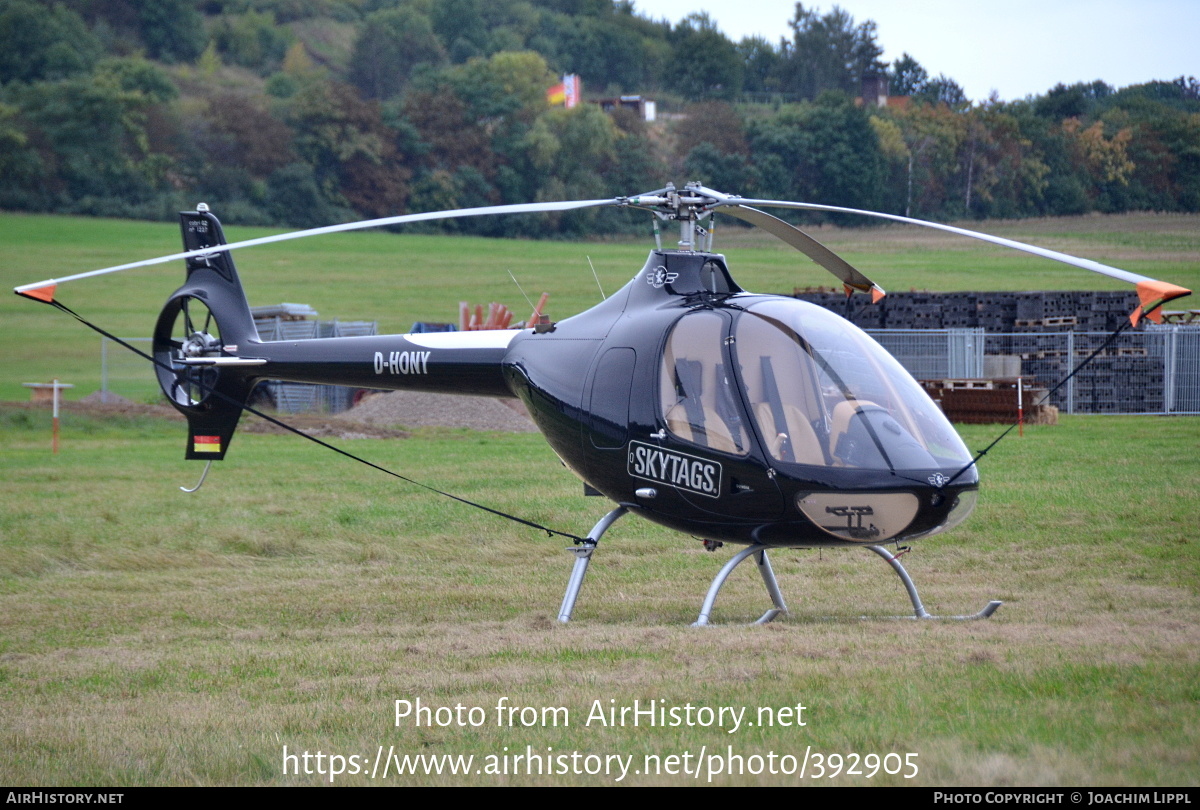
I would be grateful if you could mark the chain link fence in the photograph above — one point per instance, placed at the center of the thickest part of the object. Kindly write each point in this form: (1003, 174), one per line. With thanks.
(126, 375)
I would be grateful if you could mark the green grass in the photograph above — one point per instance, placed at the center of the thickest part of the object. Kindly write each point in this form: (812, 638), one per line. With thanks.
(153, 637)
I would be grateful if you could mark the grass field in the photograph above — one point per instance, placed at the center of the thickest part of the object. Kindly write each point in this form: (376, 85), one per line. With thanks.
(153, 637)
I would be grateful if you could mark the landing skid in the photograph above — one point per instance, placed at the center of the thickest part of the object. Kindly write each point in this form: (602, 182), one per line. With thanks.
(583, 558)
(768, 575)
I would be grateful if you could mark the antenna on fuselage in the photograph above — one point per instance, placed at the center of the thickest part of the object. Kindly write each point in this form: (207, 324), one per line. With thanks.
(603, 297)
(514, 278)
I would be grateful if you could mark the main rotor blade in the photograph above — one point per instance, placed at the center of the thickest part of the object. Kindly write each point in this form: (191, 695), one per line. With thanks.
(523, 208)
(1151, 292)
(1086, 264)
(805, 244)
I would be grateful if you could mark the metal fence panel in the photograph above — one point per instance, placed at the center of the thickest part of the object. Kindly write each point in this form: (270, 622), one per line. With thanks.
(1183, 380)
(935, 354)
(301, 397)
(295, 397)
(297, 330)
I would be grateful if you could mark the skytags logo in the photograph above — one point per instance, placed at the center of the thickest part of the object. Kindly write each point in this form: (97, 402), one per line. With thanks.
(677, 469)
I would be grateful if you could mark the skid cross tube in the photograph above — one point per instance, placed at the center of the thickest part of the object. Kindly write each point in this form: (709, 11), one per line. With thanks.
(583, 557)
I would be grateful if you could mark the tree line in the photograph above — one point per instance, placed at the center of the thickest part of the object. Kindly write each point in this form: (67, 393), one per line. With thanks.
(307, 112)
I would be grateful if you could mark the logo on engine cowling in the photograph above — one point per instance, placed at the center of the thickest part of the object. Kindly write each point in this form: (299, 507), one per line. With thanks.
(659, 277)
(679, 470)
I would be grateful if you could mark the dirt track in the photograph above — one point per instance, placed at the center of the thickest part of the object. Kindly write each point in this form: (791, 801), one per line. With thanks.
(415, 409)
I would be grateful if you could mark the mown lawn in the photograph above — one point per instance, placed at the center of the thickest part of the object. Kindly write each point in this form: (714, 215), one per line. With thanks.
(154, 637)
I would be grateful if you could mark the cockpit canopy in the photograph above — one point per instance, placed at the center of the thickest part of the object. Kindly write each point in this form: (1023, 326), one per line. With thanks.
(812, 387)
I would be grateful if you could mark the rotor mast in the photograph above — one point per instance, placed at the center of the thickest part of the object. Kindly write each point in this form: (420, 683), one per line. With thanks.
(690, 208)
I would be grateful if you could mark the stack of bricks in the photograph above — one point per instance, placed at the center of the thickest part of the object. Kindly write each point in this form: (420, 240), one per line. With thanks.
(993, 311)
(987, 401)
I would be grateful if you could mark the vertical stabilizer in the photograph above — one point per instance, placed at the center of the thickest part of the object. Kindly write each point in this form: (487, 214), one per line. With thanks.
(203, 328)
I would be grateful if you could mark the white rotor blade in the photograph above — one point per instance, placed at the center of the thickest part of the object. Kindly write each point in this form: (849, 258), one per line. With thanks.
(1152, 293)
(1086, 264)
(524, 208)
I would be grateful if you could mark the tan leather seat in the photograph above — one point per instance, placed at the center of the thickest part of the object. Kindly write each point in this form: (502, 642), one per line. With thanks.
(843, 412)
(714, 433)
(798, 433)
(691, 389)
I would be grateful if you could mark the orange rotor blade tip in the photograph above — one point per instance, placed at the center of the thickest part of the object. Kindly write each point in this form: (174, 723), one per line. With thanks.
(1154, 294)
(849, 290)
(41, 293)
(877, 295)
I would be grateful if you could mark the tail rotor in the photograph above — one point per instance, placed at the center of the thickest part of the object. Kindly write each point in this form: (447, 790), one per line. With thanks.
(191, 337)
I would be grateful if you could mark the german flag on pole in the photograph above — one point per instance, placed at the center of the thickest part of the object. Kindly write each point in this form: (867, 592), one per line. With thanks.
(568, 93)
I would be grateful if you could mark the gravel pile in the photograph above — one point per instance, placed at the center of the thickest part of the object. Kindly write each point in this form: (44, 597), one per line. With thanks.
(417, 409)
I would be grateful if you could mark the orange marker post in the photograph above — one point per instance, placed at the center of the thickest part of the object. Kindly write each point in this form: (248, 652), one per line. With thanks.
(39, 394)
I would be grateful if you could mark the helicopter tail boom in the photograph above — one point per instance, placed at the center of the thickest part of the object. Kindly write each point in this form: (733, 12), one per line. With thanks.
(210, 356)
(439, 362)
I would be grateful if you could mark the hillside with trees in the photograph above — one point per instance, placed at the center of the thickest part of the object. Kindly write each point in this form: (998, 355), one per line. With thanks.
(307, 112)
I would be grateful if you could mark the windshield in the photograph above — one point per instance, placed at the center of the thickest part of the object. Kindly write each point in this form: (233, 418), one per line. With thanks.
(822, 392)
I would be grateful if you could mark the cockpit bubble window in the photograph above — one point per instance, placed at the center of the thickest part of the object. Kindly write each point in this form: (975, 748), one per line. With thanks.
(696, 391)
(822, 392)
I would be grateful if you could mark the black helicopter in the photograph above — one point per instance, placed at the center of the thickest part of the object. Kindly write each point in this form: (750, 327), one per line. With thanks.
(731, 416)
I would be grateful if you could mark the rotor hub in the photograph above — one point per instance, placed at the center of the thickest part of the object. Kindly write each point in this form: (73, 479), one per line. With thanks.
(689, 208)
(199, 345)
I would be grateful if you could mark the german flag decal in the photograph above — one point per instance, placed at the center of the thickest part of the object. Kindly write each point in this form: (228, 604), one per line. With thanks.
(206, 444)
